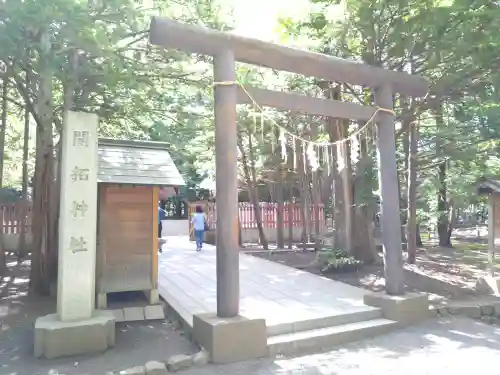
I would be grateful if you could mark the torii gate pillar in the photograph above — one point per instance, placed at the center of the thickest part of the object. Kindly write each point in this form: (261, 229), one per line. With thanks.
(406, 308)
(226, 185)
(227, 336)
(388, 185)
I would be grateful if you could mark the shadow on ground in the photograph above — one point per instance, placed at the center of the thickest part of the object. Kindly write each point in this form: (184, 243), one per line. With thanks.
(136, 343)
(443, 273)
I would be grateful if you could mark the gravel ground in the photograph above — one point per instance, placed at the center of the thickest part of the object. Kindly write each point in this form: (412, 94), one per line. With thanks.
(444, 347)
(136, 343)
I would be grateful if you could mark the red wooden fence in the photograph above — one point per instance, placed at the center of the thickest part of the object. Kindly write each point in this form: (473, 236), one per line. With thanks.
(269, 212)
(10, 217)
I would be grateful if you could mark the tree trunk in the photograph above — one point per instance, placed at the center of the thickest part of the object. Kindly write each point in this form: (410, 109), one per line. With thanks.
(305, 203)
(290, 212)
(452, 220)
(315, 191)
(419, 237)
(43, 235)
(5, 88)
(21, 251)
(345, 190)
(334, 128)
(342, 177)
(331, 196)
(364, 247)
(280, 222)
(2, 150)
(255, 196)
(442, 192)
(250, 176)
(411, 226)
(40, 264)
(443, 223)
(316, 205)
(404, 183)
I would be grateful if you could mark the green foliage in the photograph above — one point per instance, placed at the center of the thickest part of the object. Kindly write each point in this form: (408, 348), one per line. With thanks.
(337, 260)
(143, 92)
(138, 91)
(455, 45)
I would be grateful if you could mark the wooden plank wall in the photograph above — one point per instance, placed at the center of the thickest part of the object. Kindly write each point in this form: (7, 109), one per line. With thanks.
(154, 254)
(125, 237)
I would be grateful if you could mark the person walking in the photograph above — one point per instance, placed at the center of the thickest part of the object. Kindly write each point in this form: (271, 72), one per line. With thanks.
(161, 216)
(199, 226)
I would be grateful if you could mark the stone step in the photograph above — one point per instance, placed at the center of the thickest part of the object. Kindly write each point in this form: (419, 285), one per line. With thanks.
(367, 313)
(323, 338)
(137, 313)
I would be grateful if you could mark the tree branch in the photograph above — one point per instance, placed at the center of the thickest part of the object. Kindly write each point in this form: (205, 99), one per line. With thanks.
(24, 93)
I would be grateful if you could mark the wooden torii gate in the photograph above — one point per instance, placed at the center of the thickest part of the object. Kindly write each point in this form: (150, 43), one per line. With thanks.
(226, 49)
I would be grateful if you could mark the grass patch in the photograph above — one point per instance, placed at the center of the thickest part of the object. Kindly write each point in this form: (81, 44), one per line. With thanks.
(337, 260)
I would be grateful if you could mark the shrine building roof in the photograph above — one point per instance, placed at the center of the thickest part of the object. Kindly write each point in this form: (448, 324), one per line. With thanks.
(488, 186)
(136, 162)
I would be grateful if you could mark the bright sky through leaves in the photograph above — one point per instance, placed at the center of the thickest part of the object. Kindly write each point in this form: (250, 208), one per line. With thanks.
(259, 18)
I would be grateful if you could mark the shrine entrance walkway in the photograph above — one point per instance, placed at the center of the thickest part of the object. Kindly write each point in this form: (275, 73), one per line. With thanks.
(277, 293)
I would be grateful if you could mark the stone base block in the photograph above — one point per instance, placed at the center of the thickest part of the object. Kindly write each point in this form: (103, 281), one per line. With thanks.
(133, 314)
(407, 309)
(489, 284)
(231, 339)
(154, 312)
(54, 339)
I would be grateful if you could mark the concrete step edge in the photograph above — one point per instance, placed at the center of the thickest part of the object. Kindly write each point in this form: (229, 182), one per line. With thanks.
(319, 339)
(324, 322)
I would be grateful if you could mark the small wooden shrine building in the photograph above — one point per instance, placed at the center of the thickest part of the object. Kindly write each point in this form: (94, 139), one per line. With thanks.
(491, 188)
(130, 174)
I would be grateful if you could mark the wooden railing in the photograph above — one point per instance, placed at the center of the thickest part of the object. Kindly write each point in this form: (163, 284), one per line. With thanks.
(11, 215)
(269, 212)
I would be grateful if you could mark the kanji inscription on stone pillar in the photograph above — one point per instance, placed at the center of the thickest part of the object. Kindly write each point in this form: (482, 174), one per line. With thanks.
(78, 217)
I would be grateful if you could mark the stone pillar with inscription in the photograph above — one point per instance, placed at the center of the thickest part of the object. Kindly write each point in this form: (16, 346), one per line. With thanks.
(77, 328)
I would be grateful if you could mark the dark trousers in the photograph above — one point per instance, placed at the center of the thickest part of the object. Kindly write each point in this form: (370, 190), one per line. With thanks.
(160, 227)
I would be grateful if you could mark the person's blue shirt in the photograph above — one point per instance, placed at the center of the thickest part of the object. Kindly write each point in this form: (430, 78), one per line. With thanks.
(161, 214)
(198, 221)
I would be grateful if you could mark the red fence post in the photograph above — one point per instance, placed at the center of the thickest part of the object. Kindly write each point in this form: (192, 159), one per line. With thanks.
(11, 217)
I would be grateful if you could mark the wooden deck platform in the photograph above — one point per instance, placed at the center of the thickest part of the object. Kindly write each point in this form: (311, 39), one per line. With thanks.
(280, 294)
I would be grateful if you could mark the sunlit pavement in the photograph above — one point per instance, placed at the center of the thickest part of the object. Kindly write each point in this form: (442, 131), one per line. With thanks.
(445, 347)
